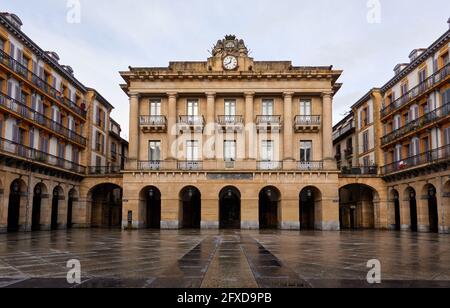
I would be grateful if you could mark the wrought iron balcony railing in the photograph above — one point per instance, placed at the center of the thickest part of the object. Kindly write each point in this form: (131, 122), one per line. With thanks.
(417, 91)
(190, 165)
(269, 165)
(104, 170)
(310, 165)
(153, 123)
(431, 157)
(307, 123)
(230, 119)
(419, 123)
(268, 123)
(24, 111)
(360, 170)
(37, 81)
(19, 151)
(342, 131)
(150, 165)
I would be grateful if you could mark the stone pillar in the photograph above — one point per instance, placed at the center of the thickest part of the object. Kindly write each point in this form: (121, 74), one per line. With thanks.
(288, 127)
(133, 154)
(250, 138)
(405, 214)
(290, 214)
(210, 125)
(170, 214)
(172, 126)
(210, 214)
(423, 217)
(327, 131)
(4, 200)
(250, 214)
(327, 214)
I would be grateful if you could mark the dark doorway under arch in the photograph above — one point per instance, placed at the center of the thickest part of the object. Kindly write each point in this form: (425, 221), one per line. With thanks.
(153, 207)
(14, 206)
(106, 206)
(308, 198)
(411, 193)
(230, 208)
(433, 214)
(397, 213)
(38, 193)
(191, 205)
(58, 195)
(269, 204)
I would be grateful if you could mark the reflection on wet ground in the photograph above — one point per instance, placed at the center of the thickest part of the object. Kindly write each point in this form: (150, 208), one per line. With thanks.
(224, 259)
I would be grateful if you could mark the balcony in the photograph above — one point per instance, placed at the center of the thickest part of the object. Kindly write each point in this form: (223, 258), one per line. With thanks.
(231, 123)
(338, 134)
(22, 152)
(266, 123)
(417, 91)
(38, 82)
(269, 165)
(153, 124)
(104, 170)
(188, 123)
(190, 165)
(310, 165)
(307, 123)
(150, 165)
(360, 170)
(420, 123)
(422, 160)
(24, 112)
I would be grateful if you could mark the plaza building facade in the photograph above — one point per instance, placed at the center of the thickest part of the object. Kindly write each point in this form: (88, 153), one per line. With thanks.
(231, 143)
(48, 147)
(401, 140)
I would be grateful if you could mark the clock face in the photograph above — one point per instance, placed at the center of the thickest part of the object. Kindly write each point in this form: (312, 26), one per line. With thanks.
(230, 62)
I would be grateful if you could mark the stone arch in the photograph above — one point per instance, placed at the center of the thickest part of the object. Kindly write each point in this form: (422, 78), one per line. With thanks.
(310, 203)
(230, 208)
(190, 209)
(150, 203)
(39, 207)
(269, 207)
(358, 204)
(428, 209)
(394, 210)
(104, 203)
(410, 201)
(17, 203)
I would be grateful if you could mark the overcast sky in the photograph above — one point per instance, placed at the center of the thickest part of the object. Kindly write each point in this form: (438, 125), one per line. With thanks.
(114, 34)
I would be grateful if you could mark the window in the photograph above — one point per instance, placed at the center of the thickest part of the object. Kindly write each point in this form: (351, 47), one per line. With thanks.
(229, 150)
(154, 151)
(305, 107)
(114, 150)
(267, 150)
(366, 118)
(192, 150)
(99, 138)
(422, 75)
(305, 151)
(267, 107)
(155, 107)
(365, 141)
(192, 107)
(44, 144)
(414, 113)
(398, 153)
(397, 122)
(445, 59)
(404, 88)
(98, 161)
(75, 155)
(230, 107)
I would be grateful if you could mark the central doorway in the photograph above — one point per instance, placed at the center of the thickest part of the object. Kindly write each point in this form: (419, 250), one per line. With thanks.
(191, 204)
(230, 208)
(153, 207)
(269, 204)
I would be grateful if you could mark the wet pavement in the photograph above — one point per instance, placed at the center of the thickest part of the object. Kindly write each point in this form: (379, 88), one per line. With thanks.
(223, 259)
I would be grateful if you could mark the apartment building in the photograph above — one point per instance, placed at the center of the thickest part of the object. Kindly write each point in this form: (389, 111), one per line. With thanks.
(231, 143)
(47, 150)
(403, 136)
(344, 143)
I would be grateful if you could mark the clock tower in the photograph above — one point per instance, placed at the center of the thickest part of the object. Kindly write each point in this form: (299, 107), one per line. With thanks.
(231, 55)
